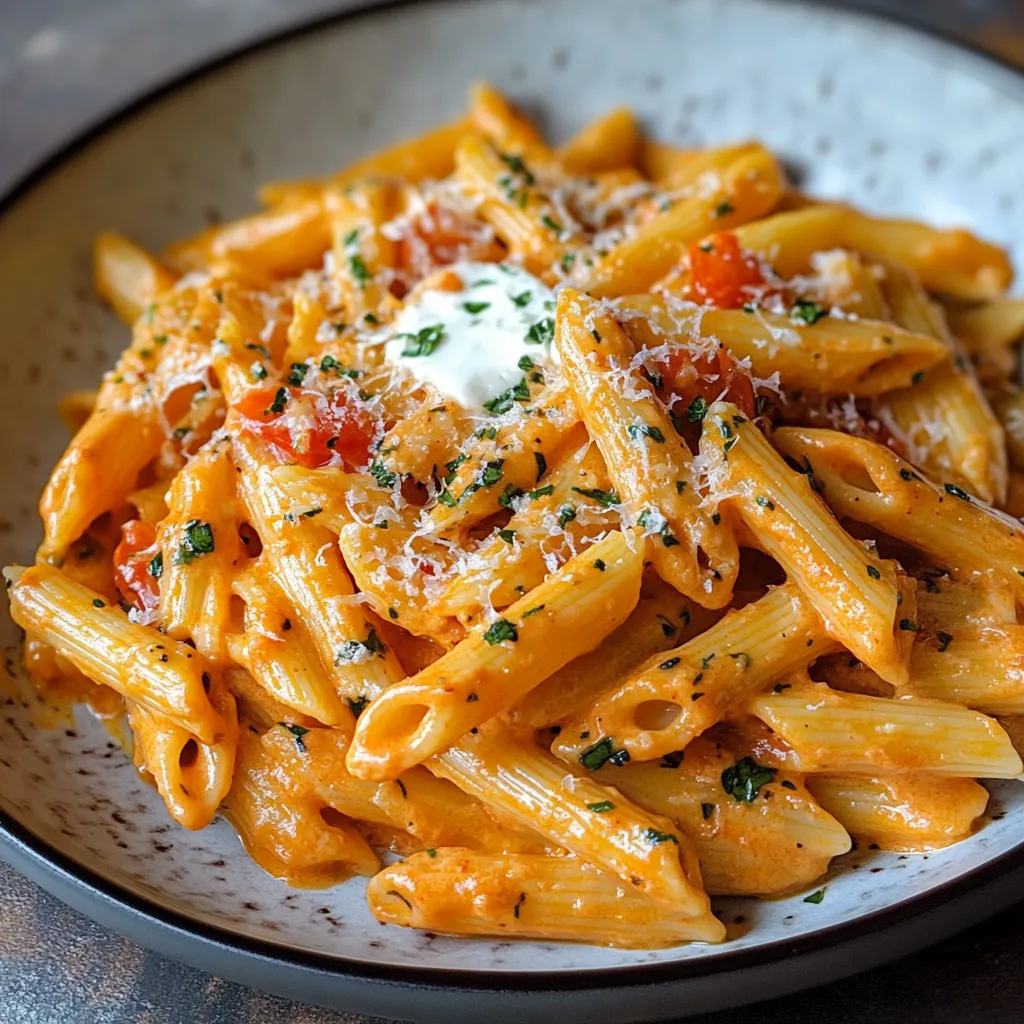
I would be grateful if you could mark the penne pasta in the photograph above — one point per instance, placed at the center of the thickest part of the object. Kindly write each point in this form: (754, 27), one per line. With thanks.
(846, 733)
(565, 616)
(643, 454)
(526, 897)
(166, 676)
(856, 594)
(913, 812)
(866, 482)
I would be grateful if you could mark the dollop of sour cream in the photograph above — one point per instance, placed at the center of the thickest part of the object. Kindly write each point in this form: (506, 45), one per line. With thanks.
(469, 344)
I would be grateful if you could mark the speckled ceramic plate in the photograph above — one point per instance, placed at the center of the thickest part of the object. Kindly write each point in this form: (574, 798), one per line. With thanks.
(869, 111)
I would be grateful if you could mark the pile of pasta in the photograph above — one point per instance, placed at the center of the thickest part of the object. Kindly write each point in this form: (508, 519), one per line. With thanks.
(730, 576)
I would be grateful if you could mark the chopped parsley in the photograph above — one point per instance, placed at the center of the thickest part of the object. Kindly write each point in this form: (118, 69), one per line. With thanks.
(815, 897)
(957, 492)
(424, 341)
(522, 299)
(809, 312)
(909, 626)
(599, 564)
(351, 650)
(196, 542)
(358, 705)
(297, 374)
(542, 464)
(359, 270)
(653, 836)
(492, 472)
(516, 165)
(765, 502)
(602, 807)
(506, 497)
(604, 498)
(874, 573)
(541, 332)
(707, 810)
(594, 757)
(945, 639)
(499, 631)
(743, 780)
(543, 492)
(507, 535)
(298, 731)
(517, 393)
(279, 402)
(475, 307)
(566, 514)
(98, 602)
(156, 566)
(638, 430)
(724, 208)
(907, 474)
(382, 474)
(671, 663)
(697, 410)
(741, 659)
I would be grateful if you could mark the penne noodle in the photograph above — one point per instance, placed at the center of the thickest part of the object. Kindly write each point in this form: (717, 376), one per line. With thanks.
(859, 357)
(127, 277)
(865, 481)
(431, 155)
(745, 183)
(522, 896)
(166, 676)
(200, 547)
(844, 733)
(740, 835)
(532, 787)
(953, 262)
(856, 594)
(913, 812)
(192, 777)
(648, 465)
(678, 694)
(660, 620)
(568, 614)
(606, 144)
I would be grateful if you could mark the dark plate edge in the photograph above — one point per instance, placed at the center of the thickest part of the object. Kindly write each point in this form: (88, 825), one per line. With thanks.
(810, 960)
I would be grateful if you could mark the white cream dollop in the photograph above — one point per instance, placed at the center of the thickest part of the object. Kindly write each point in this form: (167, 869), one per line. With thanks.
(485, 332)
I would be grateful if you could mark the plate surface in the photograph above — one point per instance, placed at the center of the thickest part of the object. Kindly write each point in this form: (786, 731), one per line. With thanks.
(869, 112)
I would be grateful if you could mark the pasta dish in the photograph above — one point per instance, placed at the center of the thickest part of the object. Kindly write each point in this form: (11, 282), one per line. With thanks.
(557, 537)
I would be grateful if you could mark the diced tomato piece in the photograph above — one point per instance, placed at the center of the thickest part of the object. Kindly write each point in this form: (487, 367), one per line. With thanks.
(711, 376)
(722, 274)
(442, 236)
(309, 427)
(133, 557)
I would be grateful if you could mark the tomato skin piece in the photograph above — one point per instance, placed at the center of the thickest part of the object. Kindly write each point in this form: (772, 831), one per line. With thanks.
(132, 557)
(311, 428)
(685, 375)
(442, 236)
(722, 274)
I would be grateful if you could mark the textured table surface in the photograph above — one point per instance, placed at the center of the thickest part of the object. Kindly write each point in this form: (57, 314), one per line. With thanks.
(59, 72)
